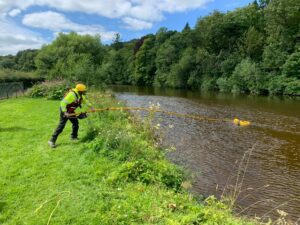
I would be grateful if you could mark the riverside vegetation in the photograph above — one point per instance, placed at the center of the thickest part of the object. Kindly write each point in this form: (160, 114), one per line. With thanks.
(254, 50)
(7, 75)
(114, 175)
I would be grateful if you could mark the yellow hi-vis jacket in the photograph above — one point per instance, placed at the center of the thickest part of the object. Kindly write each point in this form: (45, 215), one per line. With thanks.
(73, 99)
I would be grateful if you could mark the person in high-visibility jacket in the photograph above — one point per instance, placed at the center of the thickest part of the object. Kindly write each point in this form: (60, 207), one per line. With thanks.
(73, 99)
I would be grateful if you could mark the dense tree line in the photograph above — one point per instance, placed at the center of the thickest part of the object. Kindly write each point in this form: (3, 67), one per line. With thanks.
(254, 49)
(22, 61)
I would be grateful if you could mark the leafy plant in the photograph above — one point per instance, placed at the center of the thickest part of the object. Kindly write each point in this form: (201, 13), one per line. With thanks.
(149, 172)
(53, 90)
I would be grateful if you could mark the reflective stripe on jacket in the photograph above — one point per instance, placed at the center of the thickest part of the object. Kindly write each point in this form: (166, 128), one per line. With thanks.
(72, 101)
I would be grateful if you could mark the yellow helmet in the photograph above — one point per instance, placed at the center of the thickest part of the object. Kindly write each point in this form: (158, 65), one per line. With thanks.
(81, 87)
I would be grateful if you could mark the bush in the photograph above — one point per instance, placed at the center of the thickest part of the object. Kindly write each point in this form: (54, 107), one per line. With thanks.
(291, 68)
(247, 77)
(209, 84)
(224, 84)
(149, 172)
(282, 85)
(53, 90)
(292, 87)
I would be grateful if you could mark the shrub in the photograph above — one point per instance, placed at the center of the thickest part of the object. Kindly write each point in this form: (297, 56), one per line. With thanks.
(247, 77)
(149, 172)
(291, 68)
(282, 85)
(208, 84)
(224, 84)
(53, 90)
(292, 87)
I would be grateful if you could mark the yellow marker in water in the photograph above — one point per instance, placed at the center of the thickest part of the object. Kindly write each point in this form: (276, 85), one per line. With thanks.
(242, 123)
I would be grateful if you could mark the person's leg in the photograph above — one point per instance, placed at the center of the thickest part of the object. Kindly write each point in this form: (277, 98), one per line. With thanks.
(75, 127)
(62, 123)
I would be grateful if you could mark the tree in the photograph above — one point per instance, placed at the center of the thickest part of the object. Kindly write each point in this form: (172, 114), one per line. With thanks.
(186, 28)
(25, 60)
(117, 44)
(162, 35)
(180, 72)
(247, 78)
(7, 62)
(282, 24)
(264, 3)
(222, 32)
(166, 56)
(291, 68)
(253, 43)
(60, 59)
(145, 63)
(203, 69)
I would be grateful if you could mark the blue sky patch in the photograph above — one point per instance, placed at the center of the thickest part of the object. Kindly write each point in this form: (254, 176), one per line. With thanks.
(29, 25)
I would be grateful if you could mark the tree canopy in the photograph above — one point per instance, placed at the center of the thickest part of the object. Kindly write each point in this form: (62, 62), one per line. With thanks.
(254, 49)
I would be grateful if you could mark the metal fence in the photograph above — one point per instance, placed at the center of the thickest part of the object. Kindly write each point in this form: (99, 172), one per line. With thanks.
(11, 89)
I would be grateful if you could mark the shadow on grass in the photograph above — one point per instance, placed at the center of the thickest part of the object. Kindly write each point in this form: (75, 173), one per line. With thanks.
(2, 206)
(13, 129)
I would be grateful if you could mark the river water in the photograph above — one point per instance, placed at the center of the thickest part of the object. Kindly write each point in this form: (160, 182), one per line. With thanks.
(259, 165)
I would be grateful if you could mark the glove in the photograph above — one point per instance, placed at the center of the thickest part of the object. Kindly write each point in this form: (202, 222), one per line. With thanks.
(67, 115)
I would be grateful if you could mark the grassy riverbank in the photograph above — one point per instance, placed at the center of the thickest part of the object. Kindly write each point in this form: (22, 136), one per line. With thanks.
(114, 175)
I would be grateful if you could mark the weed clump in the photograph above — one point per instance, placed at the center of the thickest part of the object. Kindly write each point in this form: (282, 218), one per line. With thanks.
(149, 172)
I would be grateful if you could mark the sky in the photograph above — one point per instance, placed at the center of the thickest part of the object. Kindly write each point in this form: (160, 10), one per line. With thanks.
(29, 24)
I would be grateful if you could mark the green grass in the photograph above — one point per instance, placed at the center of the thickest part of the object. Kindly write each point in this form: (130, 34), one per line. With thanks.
(114, 176)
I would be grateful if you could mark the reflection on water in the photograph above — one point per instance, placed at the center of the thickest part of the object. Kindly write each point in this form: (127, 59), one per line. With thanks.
(213, 151)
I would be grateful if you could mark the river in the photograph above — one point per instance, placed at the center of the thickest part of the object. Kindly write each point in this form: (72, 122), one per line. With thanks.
(258, 164)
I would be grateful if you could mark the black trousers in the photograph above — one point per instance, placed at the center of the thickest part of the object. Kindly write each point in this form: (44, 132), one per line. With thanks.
(62, 123)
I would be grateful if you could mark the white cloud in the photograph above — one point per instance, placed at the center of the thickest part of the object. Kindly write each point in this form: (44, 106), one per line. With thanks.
(135, 24)
(14, 38)
(180, 5)
(14, 12)
(47, 20)
(135, 14)
(59, 23)
(147, 10)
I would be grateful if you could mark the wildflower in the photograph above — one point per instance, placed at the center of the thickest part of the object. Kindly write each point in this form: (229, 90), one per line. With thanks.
(157, 105)
(172, 206)
(157, 126)
(282, 213)
(173, 148)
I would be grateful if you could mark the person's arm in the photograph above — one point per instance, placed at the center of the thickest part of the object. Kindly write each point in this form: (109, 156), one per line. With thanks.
(87, 103)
